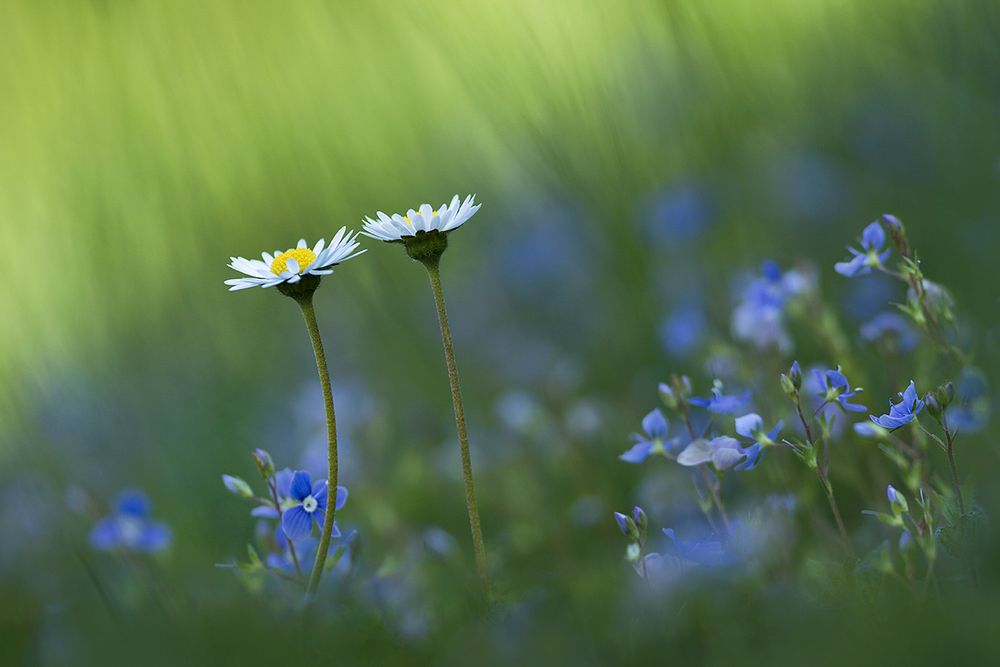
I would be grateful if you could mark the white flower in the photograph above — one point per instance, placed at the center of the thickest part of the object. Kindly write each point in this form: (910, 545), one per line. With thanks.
(445, 219)
(291, 265)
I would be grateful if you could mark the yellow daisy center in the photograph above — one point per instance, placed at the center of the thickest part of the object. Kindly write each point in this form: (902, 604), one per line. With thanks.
(410, 222)
(304, 256)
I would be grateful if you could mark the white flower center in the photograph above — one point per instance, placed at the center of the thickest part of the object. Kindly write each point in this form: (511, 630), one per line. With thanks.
(309, 504)
(130, 529)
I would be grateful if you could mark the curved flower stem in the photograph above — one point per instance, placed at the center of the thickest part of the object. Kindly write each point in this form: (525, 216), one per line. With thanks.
(823, 473)
(272, 485)
(306, 304)
(479, 546)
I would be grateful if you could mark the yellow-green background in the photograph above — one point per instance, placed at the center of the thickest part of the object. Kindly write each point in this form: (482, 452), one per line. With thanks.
(143, 143)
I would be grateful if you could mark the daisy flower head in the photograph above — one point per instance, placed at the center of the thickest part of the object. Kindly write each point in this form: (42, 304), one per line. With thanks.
(423, 230)
(296, 271)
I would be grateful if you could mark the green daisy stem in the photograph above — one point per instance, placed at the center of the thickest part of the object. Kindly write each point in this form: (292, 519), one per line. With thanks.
(306, 304)
(463, 437)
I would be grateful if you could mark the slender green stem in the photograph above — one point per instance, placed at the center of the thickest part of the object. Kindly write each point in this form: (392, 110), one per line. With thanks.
(823, 472)
(273, 486)
(331, 438)
(463, 437)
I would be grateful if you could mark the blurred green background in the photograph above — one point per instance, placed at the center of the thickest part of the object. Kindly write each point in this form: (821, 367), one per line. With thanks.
(142, 143)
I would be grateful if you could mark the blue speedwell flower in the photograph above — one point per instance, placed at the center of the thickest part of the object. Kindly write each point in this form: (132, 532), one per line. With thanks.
(723, 452)
(656, 427)
(833, 386)
(723, 404)
(903, 412)
(311, 502)
(130, 528)
(871, 253)
(751, 426)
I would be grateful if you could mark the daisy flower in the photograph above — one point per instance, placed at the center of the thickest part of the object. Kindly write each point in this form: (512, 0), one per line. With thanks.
(446, 218)
(294, 264)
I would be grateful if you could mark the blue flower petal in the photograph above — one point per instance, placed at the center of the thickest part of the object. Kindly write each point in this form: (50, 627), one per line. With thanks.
(749, 424)
(297, 523)
(264, 512)
(341, 497)
(655, 424)
(301, 485)
(852, 267)
(105, 535)
(320, 491)
(132, 502)
(638, 453)
(283, 482)
(155, 536)
(873, 236)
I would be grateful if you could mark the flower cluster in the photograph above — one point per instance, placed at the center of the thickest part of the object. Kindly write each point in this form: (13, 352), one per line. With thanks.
(819, 402)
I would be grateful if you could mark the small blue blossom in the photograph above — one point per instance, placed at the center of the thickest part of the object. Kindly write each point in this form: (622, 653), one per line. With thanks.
(872, 253)
(310, 507)
(656, 427)
(129, 528)
(759, 315)
(751, 426)
(723, 452)
(903, 412)
(892, 326)
(833, 386)
(970, 413)
(683, 330)
(722, 404)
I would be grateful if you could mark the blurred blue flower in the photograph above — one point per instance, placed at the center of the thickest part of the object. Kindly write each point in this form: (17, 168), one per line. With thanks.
(656, 428)
(970, 412)
(130, 528)
(872, 253)
(722, 404)
(810, 187)
(903, 412)
(681, 213)
(864, 299)
(869, 430)
(311, 501)
(683, 330)
(759, 315)
(893, 328)
(709, 552)
(833, 386)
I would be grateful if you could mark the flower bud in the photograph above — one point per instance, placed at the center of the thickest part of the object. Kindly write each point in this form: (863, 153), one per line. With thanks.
(640, 519)
(237, 486)
(627, 526)
(945, 394)
(795, 375)
(897, 500)
(897, 232)
(787, 385)
(933, 406)
(668, 396)
(264, 463)
(905, 541)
